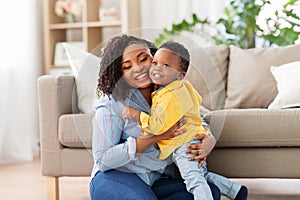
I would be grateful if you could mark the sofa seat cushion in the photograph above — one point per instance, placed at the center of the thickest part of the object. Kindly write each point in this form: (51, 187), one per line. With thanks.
(76, 130)
(255, 127)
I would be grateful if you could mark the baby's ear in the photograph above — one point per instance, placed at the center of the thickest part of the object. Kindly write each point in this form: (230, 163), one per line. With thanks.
(181, 75)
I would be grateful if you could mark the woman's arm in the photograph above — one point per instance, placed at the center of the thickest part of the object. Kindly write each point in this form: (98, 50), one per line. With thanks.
(109, 153)
(143, 143)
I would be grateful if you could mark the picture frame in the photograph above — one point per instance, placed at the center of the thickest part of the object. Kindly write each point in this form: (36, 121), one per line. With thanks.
(60, 56)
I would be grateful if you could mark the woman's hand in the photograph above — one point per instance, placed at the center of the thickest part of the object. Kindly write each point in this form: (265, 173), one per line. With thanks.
(203, 149)
(174, 130)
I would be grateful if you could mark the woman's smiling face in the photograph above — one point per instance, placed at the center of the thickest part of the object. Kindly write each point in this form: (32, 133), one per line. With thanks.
(136, 61)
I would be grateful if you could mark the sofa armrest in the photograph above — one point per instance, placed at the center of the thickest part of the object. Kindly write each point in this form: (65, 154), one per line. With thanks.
(54, 99)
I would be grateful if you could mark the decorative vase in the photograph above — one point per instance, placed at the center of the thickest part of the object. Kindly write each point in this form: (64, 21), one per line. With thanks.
(72, 18)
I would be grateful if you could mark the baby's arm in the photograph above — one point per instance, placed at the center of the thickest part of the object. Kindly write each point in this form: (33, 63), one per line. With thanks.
(129, 112)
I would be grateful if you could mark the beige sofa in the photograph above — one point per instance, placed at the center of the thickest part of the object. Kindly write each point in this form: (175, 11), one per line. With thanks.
(237, 87)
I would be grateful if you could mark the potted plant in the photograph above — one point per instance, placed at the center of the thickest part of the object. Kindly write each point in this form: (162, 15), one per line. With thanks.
(239, 25)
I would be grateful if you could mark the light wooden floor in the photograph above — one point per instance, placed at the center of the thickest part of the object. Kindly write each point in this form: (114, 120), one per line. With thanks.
(24, 181)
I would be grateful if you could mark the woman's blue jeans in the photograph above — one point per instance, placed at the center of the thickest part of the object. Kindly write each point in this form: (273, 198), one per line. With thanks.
(118, 185)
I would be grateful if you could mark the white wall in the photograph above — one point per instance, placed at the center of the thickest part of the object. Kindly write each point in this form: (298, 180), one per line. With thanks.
(159, 14)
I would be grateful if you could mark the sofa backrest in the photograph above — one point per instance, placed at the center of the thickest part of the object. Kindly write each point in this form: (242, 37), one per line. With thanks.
(250, 83)
(208, 74)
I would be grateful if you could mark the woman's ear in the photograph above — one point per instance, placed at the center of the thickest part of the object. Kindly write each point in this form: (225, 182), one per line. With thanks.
(181, 75)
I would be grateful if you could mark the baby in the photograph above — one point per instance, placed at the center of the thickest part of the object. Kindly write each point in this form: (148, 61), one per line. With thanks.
(173, 99)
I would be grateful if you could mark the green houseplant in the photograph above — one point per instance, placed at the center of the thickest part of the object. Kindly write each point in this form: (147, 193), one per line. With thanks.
(239, 25)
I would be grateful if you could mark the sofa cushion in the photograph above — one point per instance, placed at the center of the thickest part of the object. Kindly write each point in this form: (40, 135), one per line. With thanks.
(207, 73)
(85, 67)
(288, 85)
(75, 130)
(255, 127)
(250, 83)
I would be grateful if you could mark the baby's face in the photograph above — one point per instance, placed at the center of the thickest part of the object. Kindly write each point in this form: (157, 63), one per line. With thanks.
(165, 67)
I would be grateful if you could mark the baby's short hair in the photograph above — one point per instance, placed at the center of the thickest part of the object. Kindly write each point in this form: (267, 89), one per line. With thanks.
(179, 50)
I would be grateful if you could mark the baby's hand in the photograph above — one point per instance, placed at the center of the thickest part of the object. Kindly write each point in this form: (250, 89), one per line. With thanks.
(130, 112)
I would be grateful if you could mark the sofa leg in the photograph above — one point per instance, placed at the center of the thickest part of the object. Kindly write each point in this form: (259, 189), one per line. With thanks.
(52, 188)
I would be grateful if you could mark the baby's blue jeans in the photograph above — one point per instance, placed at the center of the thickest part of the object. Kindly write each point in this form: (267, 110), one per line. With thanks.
(196, 180)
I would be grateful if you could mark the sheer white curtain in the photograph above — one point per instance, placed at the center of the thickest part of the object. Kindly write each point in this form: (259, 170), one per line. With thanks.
(157, 14)
(20, 65)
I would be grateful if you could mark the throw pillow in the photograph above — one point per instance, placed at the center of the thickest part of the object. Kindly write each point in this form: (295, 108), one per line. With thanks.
(85, 68)
(288, 85)
(250, 83)
(208, 74)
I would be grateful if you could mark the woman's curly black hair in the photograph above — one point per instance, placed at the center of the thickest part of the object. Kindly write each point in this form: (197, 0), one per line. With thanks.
(110, 81)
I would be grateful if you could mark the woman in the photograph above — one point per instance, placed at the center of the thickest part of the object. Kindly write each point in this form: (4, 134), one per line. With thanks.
(126, 163)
